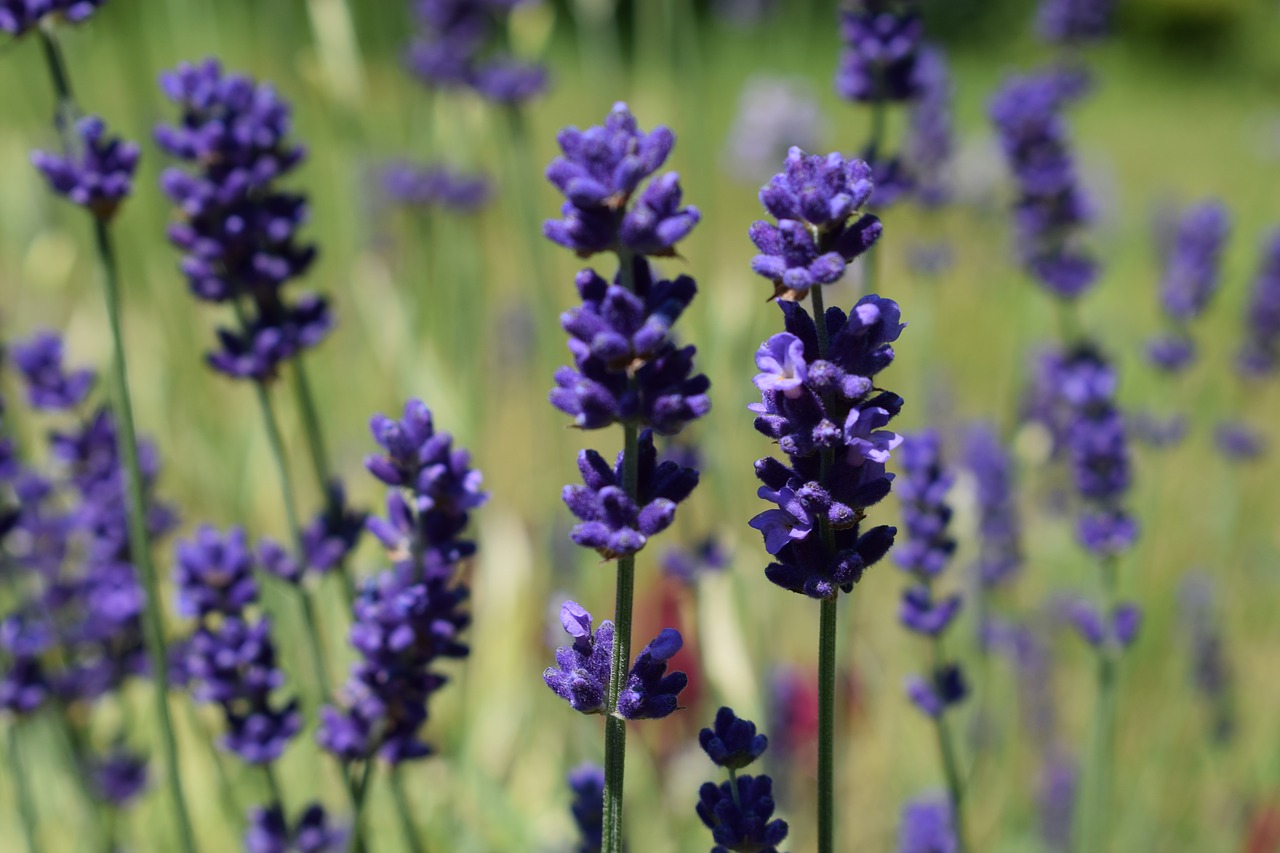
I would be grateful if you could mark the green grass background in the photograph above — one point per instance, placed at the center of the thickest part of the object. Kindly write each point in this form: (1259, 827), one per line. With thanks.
(462, 312)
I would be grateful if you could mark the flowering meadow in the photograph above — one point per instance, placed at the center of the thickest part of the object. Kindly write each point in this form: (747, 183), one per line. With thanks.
(588, 425)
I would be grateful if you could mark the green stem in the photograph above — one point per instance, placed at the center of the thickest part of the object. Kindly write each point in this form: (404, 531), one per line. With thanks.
(950, 765)
(1097, 804)
(615, 728)
(402, 808)
(26, 806)
(66, 109)
(139, 544)
(357, 792)
(826, 640)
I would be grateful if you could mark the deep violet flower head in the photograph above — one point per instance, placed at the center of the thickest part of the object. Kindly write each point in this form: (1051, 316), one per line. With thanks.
(1260, 353)
(237, 229)
(435, 186)
(97, 175)
(118, 777)
(922, 490)
(774, 114)
(944, 687)
(930, 141)
(1074, 21)
(813, 240)
(49, 385)
(743, 823)
(881, 45)
(17, 17)
(582, 677)
(587, 784)
(1191, 265)
(999, 548)
(650, 692)
(270, 832)
(810, 404)
(214, 574)
(626, 367)
(927, 827)
(457, 45)
(1050, 209)
(599, 171)
(612, 522)
(410, 618)
(732, 742)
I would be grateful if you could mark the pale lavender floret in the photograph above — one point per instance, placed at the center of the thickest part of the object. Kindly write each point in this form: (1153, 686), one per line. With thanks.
(865, 441)
(49, 385)
(927, 827)
(791, 520)
(823, 191)
(98, 174)
(782, 367)
(582, 676)
(651, 693)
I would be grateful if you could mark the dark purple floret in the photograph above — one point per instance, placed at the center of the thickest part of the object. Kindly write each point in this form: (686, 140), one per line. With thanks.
(334, 532)
(926, 515)
(97, 175)
(881, 44)
(614, 523)
(650, 693)
(599, 172)
(1260, 353)
(511, 82)
(1238, 441)
(1050, 209)
(587, 784)
(423, 460)
(1191, 265)
(1171, 352)
(17, 17)
(24, 680)
(583, 675)
(813, 240)
(435, 186)
(1121, 629)
(927, 827)
(459, 45)
(118, 777)
(1000, 550)
(214, 573)
(919, 611)
(946, 686)
(929, 143)
(733, 742)
(269, 832)
(1074, 21)
(743, 823)
(49, 385)
(623, 327)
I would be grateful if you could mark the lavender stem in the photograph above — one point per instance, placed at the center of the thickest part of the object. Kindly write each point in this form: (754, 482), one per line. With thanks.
(26, 808)
(1096, 804)
(402, 809)
(950, 765)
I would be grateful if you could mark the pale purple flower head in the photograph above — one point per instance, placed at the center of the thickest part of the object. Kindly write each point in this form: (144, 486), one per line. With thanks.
(581, 675)
(927, 827)
(49, 385)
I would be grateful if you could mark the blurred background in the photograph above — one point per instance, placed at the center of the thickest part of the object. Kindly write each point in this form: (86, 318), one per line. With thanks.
(460, 309)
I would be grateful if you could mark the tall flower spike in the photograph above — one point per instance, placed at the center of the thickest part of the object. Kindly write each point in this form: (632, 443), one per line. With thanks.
(881, 44)
(599, 172)
(813, 240)
(1260, 353)
(456, 45)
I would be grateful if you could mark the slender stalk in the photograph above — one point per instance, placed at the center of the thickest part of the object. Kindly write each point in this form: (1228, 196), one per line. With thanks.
(1096, 804)
(139, 540)
(26, 806)
(402, 809)
(615, 728)
(950, 765)
(357, 790)
(66, 109)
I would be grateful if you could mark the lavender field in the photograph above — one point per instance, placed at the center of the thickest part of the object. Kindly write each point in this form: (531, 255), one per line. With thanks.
(485, 434)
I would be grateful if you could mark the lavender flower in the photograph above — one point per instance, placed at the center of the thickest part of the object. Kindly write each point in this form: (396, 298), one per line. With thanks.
(1238, 441)
(1000, 552)
(214, 574)
(269, 832)
(1191, 267)
(118, 777)
(1051, 208)
(409, 618)
(774, 114)
(583, 675)
(49, 385)
(927, 827)
(944, 687)
(97, 175)
(742, 823)
(587, 784)
(614, 523)
(238, 231)
(813, 241)
(651, 693)
(833, 407)
(733, 742)
(1121, 629)
(881, 44)
(926, 514)
(456, 47)
(18, 17)
(1073, 21)
(929, 142)
(599, 173)
(433, 186)
(1260, 353)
